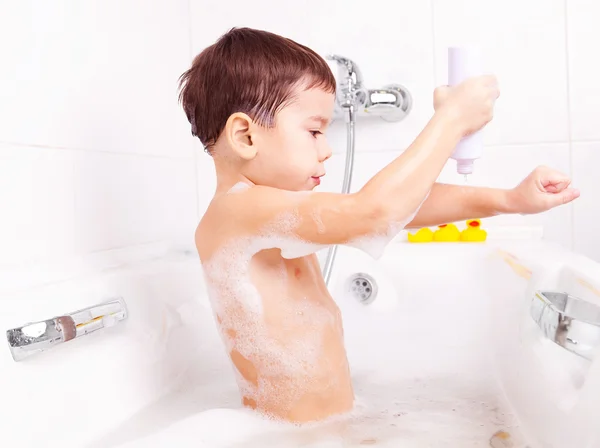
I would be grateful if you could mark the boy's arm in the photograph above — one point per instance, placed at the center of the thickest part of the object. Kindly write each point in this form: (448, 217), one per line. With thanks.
(389, 198)
(544, 188)
(451, 203)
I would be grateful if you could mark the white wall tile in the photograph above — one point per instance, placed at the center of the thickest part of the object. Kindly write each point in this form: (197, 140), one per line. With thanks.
(98, 74)
(586, 159)
(125, 200)
(396, 52)
(584, 69)
(37, 203)
(524, 46)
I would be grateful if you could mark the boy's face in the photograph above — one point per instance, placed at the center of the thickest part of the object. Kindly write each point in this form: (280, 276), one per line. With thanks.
(290, 155)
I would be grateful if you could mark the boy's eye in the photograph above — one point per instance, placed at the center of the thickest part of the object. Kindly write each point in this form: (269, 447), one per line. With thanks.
(315, 133)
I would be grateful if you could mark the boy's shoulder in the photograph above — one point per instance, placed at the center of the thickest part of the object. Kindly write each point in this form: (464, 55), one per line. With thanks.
(239, 212)
(246, 204)
(241, 201)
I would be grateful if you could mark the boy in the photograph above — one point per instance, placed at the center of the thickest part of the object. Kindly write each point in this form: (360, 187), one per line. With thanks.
(261, 104)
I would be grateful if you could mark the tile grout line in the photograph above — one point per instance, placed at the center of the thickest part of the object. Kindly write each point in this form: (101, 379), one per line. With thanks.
(93, 151)
(569, 123)
(76, 231)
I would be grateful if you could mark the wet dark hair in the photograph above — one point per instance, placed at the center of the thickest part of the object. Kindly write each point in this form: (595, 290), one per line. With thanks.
(249, 71)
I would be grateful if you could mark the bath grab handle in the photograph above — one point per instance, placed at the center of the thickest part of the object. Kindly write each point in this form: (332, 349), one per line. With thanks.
(568, 321)
(35, 337)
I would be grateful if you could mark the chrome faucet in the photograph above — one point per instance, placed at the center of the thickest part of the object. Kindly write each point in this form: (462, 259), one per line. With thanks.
(568, 321)
(35, 337)
(350, 90)
(392, 102)
(349, 66)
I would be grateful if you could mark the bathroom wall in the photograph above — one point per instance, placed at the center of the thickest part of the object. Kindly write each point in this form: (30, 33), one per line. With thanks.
(96, 156)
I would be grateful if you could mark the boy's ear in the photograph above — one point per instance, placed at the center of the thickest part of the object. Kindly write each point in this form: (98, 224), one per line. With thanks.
(238, 132)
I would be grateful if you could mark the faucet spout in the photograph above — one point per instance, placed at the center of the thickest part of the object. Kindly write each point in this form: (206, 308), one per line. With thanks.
(348, 70)
(350, 92)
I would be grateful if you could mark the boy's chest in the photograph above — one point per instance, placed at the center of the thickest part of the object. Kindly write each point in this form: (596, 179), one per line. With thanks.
(294, 287)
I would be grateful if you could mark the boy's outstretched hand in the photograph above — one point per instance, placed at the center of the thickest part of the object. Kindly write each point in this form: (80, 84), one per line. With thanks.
(540, 191)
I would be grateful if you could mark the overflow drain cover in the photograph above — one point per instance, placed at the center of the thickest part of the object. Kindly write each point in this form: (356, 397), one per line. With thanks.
(363, 287)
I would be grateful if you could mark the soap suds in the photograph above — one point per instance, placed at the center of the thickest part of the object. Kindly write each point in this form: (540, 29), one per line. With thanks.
(374, 245)
(316, 216)
(284, 365)
(240, 186)
(281, 367)
(407, 413)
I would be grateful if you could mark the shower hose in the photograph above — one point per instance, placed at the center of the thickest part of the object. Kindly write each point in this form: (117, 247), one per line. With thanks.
(331, 253)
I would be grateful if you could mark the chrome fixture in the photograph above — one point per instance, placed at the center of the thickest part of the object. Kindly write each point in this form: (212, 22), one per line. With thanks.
(568, 321)
(392, 103)
(35, 337)
(363, 287)
(350, 91)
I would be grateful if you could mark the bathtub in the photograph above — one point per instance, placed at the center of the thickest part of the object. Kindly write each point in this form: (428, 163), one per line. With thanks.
(442, 350)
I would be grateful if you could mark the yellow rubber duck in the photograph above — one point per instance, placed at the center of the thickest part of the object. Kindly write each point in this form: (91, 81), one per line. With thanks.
(424, 235)
(446, 233)
(473, 232)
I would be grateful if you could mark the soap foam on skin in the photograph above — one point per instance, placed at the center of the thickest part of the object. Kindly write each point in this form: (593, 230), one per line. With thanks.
(283, 367)
(375, 244)
(316, 216)
(240, 186)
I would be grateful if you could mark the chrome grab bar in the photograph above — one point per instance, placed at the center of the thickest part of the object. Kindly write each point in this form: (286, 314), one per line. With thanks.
(36, 337)
(568, 321)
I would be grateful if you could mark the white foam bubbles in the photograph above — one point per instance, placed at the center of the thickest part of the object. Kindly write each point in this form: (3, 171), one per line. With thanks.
(240, 186)
(280, 369)
(376, 243)
(280, 234)
(316, 216)
(282, 366)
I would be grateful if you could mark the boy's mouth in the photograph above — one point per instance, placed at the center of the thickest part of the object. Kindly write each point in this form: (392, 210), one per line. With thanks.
(317, 179)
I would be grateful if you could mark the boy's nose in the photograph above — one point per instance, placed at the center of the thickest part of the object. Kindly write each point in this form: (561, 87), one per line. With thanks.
(325, 153)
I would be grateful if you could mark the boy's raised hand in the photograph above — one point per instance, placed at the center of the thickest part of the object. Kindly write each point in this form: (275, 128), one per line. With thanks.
(543, 189)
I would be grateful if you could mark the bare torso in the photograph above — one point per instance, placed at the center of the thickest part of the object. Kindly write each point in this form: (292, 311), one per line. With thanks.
(281, 327)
